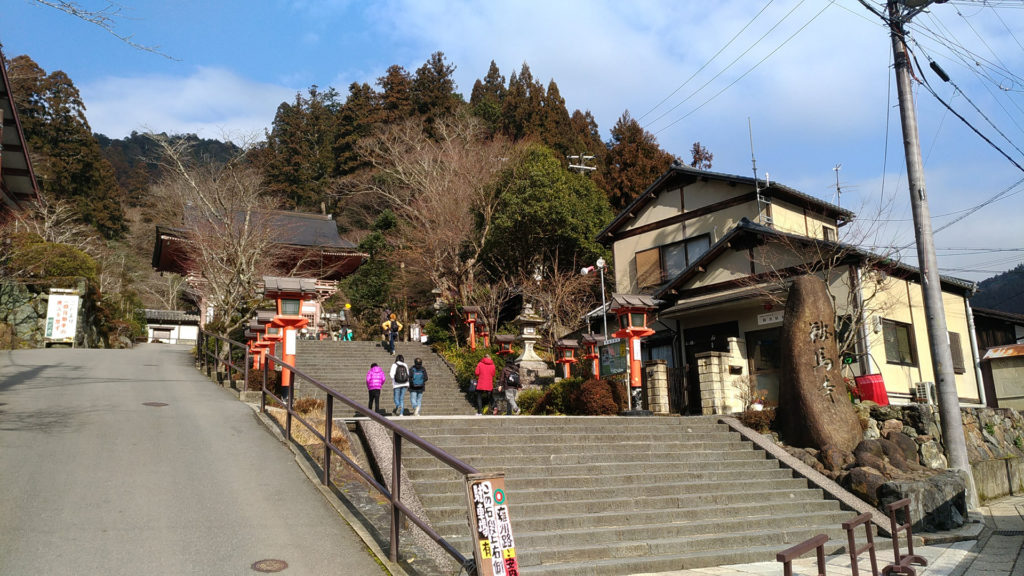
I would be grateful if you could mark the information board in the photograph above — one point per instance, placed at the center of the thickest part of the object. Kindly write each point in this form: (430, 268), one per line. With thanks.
(613, 355)
(494, 547)
(61, 316)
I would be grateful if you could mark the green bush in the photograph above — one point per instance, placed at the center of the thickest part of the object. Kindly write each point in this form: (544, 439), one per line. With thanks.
(48, 260)
(464, 361)
(528, 398)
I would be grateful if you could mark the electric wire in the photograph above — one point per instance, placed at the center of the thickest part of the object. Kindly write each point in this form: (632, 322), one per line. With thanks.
(749, 70)
(706, 64)
(727, 66)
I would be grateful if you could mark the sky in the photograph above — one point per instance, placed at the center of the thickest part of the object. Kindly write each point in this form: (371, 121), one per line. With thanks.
(798, 87)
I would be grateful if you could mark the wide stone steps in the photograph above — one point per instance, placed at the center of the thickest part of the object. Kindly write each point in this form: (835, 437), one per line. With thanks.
(610, 495)
(342, 366)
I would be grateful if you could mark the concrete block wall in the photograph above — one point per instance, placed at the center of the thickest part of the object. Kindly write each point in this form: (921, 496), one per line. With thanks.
(720, 375)
(657, 386)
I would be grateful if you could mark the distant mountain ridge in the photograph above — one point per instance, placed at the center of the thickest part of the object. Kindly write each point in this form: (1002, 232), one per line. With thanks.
(1004, 292)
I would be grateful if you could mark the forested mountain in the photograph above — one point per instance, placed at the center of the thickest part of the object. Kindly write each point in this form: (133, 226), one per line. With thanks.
(1004, 292)
(135, 158)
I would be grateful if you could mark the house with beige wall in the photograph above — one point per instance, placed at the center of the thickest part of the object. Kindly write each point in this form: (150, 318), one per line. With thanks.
(719, 249)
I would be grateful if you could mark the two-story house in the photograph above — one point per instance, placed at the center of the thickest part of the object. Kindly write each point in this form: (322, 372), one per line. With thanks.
(718, 249)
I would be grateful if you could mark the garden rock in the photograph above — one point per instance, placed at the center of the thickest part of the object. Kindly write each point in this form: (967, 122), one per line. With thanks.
(936, 503)
(864, 481)
(891, 425)
(907, 446)
(814, 408)
(872, 432)
(932, 456)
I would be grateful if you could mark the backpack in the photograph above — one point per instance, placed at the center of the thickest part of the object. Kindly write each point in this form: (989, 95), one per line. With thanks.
(394, 326)
(401, 373)
(513, 379)
(419, 377)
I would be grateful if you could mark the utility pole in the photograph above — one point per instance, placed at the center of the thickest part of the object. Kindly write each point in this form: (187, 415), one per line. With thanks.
(581, 162)
(900, 12)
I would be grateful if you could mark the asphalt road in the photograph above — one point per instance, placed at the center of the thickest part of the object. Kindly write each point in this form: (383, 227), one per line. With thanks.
(95, 482)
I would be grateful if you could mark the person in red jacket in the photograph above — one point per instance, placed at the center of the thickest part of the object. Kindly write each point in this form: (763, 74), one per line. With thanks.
(484, 382)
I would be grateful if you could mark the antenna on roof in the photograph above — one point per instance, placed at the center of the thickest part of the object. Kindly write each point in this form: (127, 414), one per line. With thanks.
(764, 203)
(839, 190)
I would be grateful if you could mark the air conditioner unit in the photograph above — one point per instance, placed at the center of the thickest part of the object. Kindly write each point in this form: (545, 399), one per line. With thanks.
(924, 393)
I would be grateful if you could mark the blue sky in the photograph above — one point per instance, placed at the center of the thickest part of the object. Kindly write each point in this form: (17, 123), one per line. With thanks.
(812, 79)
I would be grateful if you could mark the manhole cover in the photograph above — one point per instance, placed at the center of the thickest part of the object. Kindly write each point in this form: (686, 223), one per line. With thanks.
(269, 565)
(156, 404)
(1008, 532)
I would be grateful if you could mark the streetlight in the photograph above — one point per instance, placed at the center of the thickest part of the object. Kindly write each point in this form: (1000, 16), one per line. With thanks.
(600, 264)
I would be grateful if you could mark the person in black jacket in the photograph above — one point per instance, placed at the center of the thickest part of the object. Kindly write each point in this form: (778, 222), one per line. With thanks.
(417, 384)
(511, 383)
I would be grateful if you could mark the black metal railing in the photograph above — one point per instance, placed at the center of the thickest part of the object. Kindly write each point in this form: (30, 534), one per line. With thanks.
(219, 352)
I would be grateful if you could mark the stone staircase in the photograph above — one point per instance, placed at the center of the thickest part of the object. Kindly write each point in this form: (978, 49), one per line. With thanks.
(617, 495)
(343, 365)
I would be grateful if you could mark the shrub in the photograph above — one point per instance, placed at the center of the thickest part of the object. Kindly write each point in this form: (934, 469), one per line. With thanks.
(308, 404)
(528, 398)
(759, 420)
(464, 361)
(594, 398)
(557, 398)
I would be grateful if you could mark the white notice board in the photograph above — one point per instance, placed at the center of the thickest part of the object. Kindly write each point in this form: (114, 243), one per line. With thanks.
(62, 317)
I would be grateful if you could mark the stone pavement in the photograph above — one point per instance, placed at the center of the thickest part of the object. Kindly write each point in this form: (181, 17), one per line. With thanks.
(989, 547)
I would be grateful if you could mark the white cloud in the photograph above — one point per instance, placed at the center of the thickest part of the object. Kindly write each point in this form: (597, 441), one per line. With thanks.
(210, 102)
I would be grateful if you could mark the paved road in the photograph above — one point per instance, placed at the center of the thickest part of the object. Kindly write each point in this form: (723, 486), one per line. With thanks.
(94, 482)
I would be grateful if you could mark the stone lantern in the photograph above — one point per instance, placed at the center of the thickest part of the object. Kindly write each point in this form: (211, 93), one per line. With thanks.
(566, 349)
(632, 310)
(531, 365)
(472, 313)
(590, 353)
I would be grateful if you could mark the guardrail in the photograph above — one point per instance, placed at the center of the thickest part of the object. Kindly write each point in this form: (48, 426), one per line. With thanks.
(230, 360)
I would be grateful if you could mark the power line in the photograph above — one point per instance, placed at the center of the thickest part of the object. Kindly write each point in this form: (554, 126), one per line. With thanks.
(706, 64)
(751, 69)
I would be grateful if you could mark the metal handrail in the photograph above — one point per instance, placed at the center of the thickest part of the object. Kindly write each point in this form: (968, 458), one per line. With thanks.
(398, 433)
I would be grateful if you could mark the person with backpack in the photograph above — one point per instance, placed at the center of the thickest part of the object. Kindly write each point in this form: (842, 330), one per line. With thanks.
(511, 383)
(417, 384)
(374, 381)
(391, 328)
(399, 383)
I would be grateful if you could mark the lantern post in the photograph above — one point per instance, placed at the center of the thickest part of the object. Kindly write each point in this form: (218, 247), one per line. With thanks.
(632, 310)
(566, 349)
(472, 313)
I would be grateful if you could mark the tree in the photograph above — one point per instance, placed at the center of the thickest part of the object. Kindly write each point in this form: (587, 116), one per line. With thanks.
(440, 186)
(701, 157)
(301, 149)
(522, 110)
(369, 287)
(545, 213)
(396, 100)
(488, 96)
(66, 157)
(227, 239)
(633, 162)
(433, 89)
(562, 295)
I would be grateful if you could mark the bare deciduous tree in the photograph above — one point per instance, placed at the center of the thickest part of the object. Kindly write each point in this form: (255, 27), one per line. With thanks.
(441, 186)
(563, 296)
(227, 238)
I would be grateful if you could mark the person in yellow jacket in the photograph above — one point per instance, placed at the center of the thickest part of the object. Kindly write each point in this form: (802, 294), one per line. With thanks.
(391, 328)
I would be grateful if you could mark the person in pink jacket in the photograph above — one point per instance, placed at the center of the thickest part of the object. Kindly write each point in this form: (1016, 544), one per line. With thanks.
(374, 380)
(484, 382)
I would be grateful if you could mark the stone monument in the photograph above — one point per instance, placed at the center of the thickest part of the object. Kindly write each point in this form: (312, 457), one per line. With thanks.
(814, 405)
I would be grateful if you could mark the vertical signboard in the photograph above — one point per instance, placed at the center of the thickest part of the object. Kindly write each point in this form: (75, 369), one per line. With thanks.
(494, 548)
(62, 316)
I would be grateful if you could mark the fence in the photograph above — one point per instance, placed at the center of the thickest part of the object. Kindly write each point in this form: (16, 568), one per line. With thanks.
(216, 352)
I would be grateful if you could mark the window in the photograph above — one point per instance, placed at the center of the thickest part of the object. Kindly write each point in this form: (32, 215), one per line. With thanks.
(657, 265)
(828, 233)
(958, 353)
(899, 343)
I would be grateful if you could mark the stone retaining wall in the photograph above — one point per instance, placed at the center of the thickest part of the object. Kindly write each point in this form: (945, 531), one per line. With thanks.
(23, 315)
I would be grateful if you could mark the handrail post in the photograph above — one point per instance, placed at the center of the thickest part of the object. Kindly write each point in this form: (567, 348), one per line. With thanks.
(263, 389)
(328, 434)
(396, 494)
(816, 543)
(245, 371)
(903, 561)
(855, 552)
(288, 403)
